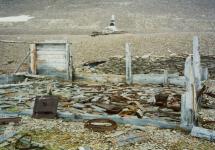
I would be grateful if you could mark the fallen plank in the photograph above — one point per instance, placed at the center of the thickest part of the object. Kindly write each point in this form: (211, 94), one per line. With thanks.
(67, 116)
(203, 133)
(15, 85)
(4, 137)
(10, 119)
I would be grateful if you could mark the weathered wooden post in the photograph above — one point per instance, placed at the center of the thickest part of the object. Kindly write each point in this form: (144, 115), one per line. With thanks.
(196, 63)
(68, 61)
(128, 61)
(33, 65)
(188, 104)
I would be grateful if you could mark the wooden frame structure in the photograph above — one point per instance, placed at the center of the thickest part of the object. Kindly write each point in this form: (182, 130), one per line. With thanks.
(51, 58)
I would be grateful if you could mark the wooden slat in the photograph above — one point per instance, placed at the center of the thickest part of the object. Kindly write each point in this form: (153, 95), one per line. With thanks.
(52, 65)
(51, 47)
(53, 57)
(33, 59)
(41, 61)
(51, 53)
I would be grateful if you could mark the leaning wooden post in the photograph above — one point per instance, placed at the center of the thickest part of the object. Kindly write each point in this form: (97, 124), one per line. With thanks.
(128, 60)
(189, 103)
(33, 65)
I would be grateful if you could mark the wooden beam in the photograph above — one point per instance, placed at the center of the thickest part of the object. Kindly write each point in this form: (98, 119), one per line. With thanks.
(33, 64)
(121, 120)
(22, 62)
(203, 133)
(128, 63)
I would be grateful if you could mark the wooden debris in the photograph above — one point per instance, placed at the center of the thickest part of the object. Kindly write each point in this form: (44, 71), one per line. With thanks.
(203, 133)
(15, 85)
(10, 119)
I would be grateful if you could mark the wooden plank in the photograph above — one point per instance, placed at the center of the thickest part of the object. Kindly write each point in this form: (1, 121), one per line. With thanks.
(51, 42)
(33, 65)
(51, 53)
(51, 46)
(137, 78)
(121, 120)
(59, 67)
(52, 56)
(203, 133)
(50, 61)
(128, 63)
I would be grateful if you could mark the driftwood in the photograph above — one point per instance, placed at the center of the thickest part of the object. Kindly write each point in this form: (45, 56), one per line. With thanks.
(203, 133)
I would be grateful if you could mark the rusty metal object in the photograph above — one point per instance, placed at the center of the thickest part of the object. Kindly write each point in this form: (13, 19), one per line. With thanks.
(45, 107)
(16, 120)
(98, 125)
(161, 100)
(110, 108)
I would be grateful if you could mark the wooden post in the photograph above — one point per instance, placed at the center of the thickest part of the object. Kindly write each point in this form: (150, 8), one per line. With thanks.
(196, 63)
(165, 82)
(33, 65)
(128, 63)
(189, 99)
(71, 63)
(68, 61)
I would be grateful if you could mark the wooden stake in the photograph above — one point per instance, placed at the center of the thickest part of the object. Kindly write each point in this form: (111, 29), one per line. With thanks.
(128, 63)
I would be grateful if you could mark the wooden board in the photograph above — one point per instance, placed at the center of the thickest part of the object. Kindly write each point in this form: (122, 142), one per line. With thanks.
(52, 59)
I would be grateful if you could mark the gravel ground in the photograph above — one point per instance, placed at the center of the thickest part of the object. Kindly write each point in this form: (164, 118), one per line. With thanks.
(57, 134)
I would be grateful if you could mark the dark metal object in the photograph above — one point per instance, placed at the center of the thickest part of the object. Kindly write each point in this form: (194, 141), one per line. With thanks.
(45, 107)
(91, 124)
(110, 108)
(11, 119)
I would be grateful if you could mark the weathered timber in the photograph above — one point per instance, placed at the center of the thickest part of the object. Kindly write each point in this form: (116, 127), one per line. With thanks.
(17, 69)
(81, 117)
(53, 59)
(33, 59)
(137, 78)
(9, 79)
(203, 133)
(15, 85)
(189, 98)
(196, 63)
(128, 62)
